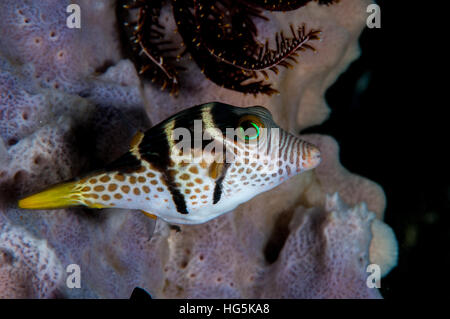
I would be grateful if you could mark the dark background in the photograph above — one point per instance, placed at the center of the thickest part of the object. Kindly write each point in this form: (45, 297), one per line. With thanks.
(386, 119)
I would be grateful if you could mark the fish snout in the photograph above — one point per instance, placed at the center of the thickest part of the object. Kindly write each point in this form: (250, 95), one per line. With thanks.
(312, 156)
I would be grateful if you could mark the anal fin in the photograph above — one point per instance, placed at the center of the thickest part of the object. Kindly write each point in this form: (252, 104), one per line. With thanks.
(149, 215)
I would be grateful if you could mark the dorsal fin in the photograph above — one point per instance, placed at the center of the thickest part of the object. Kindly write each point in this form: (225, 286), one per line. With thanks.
(136, 140)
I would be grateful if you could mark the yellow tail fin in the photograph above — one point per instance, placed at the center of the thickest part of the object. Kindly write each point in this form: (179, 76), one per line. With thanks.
(59, 196)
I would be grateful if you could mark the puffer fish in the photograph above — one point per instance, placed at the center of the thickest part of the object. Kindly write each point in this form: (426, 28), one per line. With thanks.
(198, 164)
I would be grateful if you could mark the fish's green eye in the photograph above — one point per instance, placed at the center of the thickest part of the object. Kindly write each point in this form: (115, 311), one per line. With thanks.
(251, 128)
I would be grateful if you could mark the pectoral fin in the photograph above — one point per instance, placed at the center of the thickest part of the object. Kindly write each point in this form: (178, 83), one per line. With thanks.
(216, 169)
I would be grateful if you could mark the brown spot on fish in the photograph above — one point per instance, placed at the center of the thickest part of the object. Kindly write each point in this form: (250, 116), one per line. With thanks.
(119, 177)
(193, 169)
(104, 179)
(185, 176)
(203, 164)
(99, 188)
(141, 179)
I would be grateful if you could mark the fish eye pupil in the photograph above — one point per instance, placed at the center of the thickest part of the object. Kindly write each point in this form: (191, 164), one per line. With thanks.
(250, 128)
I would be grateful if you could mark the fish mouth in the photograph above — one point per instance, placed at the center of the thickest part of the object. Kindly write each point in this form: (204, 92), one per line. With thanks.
(313, 157)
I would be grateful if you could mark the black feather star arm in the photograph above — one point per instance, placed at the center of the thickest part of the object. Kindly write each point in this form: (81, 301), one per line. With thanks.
(143, 41)
(227, 33)
(220, 36)
(221, 73)
(263, 58)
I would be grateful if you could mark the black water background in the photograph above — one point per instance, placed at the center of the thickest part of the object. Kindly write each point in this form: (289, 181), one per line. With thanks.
(389, 125)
